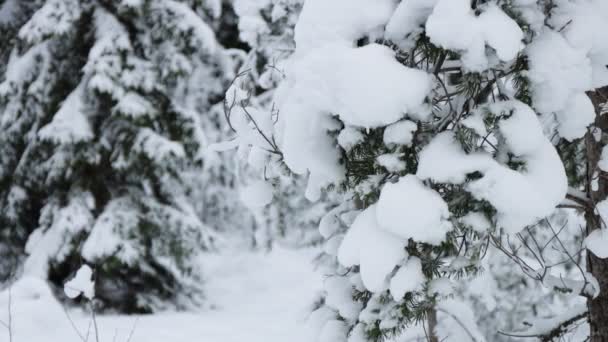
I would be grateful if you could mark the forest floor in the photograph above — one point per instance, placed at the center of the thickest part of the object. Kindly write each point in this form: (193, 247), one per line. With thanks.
(256, 297)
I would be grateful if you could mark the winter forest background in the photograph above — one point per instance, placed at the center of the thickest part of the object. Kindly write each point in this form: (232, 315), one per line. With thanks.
(303, 170)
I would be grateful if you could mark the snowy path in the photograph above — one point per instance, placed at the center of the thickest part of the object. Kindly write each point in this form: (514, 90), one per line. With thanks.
(259, 298)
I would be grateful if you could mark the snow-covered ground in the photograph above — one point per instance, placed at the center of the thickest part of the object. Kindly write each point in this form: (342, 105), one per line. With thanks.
(257, 297)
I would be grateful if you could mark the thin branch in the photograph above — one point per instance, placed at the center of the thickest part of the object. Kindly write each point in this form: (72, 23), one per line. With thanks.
(132, 330)
(464, 327)
(556, 330)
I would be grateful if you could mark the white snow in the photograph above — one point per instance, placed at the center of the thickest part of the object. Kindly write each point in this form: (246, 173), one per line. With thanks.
(339, 21)
(70, 124)
(391, 162)
(82, 283)
(408, 20)
(409, 278)
(251, 23)
(190, 23)
(441, 286)
(477, 221)
(375, 250)
(583, 22)
(58, 226)
(333, 331)
(400, 133)
(54, 17)
(539, 188)
(8, 11)
(109, 235)
(575, 117)
(475, 122)
(156, 146)
(349, 137)
(364, 86)
(409, 209)
(339, 297)
(134, 106)
(458, 322)
(560, 74)
(453, 25)
(267, 296)
(257, 194)
(316, 321)
(443, 160)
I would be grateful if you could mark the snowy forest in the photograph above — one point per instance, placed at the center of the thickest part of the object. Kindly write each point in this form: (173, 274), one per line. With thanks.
(303, 170)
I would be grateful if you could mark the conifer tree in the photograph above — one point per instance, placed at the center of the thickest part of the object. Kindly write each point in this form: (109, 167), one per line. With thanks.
(100, 112)
(448, 127)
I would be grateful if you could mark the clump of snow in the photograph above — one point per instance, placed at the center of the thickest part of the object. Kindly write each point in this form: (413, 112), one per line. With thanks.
(400, 133)
(257, 194)
(575, 117)
(391, 162)
(475, 122)
(332, 81)
(409, 209)
(374, 249)
(190, 24)
(156, 146)
(82, 283)
(109, 235)
(331, 222)
(477, 221)
(339, 297)
(559, 75)
(70, 124)
(409, 278)
(56, 17)
(349, 137)
(539, 188)
(407, 21)
(58, 225)
(365, 86)
(135, 106)
(453, 25)
(443, 160)
(251, 23)
(583, 23)
(339, 22)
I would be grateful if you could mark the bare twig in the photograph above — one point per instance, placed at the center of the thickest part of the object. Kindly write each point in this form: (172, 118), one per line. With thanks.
(462, 325)
(94, 317)
(82, 338)
(132, 330)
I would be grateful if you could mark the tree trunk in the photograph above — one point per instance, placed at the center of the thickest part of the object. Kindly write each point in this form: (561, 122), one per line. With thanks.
(598, 307)
(432, 323)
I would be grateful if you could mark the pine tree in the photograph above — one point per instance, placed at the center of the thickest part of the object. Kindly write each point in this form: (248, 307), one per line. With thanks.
(448, 127)
(100, 109)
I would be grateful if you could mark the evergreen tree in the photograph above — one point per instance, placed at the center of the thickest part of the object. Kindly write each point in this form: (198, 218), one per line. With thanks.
(439, 123)
(100, 109)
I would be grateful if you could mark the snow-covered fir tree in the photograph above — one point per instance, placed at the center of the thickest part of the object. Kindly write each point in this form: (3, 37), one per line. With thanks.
(450, 128)
(100, 113)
